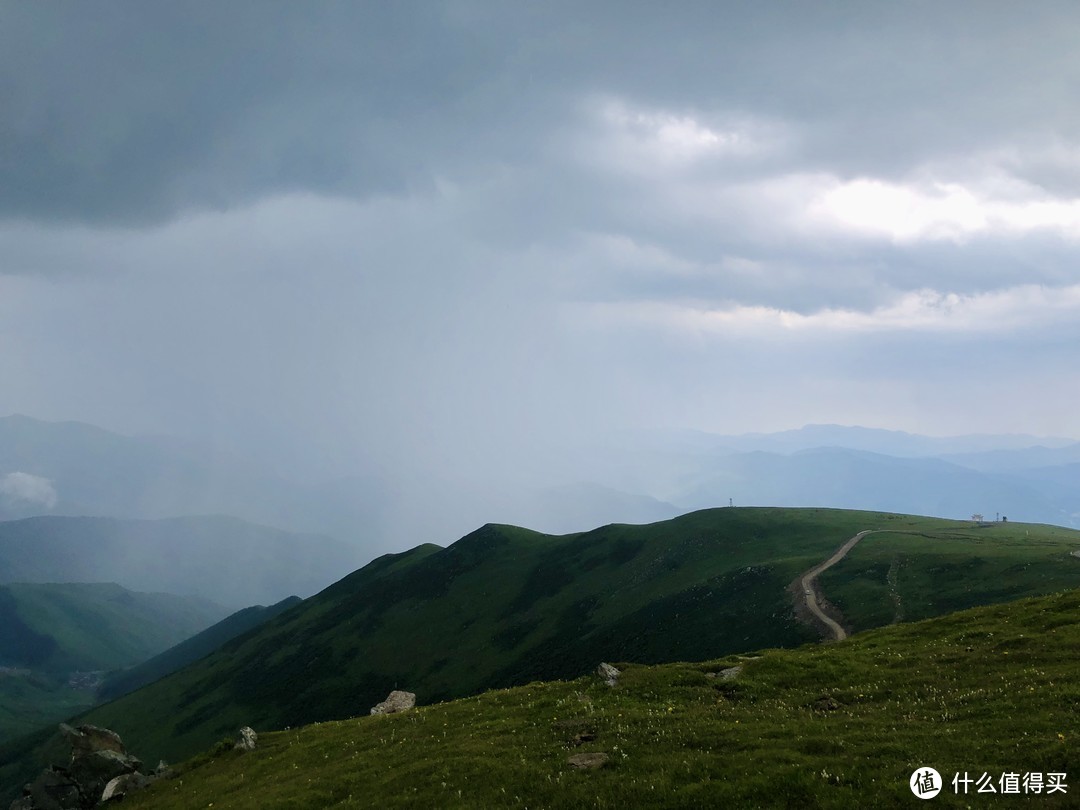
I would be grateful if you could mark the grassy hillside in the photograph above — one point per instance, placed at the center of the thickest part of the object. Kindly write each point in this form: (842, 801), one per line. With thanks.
(505, 606)
(59, 628)
(191, 649)
(30, 700)
(220, 558)
(986, 691)
(917, 568)
(48, 632)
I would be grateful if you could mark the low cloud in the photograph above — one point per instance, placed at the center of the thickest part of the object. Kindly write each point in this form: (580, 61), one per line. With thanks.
(25, 489)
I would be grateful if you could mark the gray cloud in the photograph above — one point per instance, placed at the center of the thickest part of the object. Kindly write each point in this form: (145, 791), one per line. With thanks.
(447, 244)
(131, 112)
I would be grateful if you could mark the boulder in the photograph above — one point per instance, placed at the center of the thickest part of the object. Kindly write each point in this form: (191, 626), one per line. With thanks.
(95, 770)
(98, 758)
(608, 673)
(54, 789)
(825, 703)
(585, 762)
(119, 787)
(395, 702)
(163, 770)
(88, 739)
(246, 738)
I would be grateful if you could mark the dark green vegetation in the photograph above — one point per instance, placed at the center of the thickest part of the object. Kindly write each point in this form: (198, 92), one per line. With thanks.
(49, 632)
(99, 626)
(504, 606)
(30, 700)
(991, 690)
(191, 649)
(220, 558)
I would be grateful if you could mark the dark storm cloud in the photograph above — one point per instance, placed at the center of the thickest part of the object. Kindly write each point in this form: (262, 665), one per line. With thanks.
(133, 112)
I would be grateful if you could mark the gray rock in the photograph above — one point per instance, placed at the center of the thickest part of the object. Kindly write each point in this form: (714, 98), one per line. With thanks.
(825, 703)
(97, 757)
(54, 789)
(98, 760)
(163, 770)
(395, 702)
(88, 739)
(103, 765)
(246, 738)
(119, 787)
(95, 770)
(608, 673)
(584, 762)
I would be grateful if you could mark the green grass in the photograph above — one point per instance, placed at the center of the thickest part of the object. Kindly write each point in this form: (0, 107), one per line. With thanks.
(838, 725)
(942, 566)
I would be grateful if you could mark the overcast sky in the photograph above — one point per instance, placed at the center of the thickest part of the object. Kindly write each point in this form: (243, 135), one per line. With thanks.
(449, 235)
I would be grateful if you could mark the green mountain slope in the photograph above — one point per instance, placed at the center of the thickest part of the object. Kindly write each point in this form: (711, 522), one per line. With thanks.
(60, 628)
(31, 700)
(48, 632)
(191, 649)
(504, 606)
(220, 558)
(986, 691)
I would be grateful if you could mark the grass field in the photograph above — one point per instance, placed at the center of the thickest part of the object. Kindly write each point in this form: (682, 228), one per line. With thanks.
(921, 567)
(988, 691)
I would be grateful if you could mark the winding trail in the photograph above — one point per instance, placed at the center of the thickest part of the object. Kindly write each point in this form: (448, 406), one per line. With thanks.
(808, 585)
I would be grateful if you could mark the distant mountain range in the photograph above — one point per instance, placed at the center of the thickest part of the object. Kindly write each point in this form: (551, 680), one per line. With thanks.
(72, 469)
(1028, 478)
(829, 477)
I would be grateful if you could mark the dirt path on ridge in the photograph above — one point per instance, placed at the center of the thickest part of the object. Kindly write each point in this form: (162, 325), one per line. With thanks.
(808, 591)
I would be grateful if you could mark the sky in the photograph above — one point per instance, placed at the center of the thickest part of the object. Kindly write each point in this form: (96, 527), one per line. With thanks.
(455, 237)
